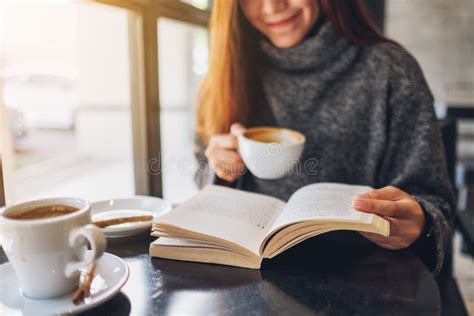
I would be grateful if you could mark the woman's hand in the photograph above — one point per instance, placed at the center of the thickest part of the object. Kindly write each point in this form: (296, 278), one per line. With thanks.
(223, 156)
(404, 213)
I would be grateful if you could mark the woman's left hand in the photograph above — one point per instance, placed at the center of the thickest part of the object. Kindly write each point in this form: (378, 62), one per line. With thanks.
(402, 210)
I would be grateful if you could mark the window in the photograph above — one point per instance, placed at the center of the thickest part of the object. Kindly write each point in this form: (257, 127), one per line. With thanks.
(200, 4)
(183, 57)
(81, 93)
(66, 91)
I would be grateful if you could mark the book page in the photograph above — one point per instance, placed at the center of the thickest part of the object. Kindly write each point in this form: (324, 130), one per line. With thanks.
(321, 201)
(241, 217)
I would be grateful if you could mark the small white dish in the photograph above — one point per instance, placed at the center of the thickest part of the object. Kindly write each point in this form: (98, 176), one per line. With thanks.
(111, 274)
(136, 206)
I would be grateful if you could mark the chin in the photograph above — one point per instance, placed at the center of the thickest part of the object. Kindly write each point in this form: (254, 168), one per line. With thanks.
(286, 42)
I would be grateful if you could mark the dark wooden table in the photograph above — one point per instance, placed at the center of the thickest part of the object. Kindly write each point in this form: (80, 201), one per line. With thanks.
(318, 276)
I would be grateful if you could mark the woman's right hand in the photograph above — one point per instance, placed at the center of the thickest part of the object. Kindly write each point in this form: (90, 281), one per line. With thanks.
(223, 156)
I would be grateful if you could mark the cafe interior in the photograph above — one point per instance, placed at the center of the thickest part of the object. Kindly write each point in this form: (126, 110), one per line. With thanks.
(98, 102)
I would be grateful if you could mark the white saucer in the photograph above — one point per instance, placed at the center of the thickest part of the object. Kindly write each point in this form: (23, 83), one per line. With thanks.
(111, 274)
(136, 206)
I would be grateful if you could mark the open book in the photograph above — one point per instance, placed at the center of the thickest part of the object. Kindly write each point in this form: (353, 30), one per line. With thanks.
(238, 228)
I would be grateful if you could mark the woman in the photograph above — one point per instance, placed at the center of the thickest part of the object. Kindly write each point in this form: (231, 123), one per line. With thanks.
(321, 67)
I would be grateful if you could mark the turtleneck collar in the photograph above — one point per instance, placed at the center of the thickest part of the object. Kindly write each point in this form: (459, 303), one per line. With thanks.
(321, 44)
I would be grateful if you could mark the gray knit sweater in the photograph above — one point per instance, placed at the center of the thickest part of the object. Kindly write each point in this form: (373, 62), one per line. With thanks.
(367, 114)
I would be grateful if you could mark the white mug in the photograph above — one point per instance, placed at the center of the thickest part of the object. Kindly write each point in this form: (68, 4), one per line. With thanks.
(46, 253)
(271, 152)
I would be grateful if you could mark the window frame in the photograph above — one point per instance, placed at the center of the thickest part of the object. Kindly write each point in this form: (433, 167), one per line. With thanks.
(145, 95)
(3, 121)
(2, 185)
(143, 16)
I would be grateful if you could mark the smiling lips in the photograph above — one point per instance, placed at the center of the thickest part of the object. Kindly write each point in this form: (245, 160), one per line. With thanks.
(285, 22)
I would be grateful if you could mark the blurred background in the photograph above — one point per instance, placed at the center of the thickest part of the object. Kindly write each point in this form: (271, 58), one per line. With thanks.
(97, 97)
(67, 92)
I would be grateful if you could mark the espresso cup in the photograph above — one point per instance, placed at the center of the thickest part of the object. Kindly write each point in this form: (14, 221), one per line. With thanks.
(270, 152)
(46, 253)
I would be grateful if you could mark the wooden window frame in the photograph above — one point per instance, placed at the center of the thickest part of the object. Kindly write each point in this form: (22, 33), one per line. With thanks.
(3, 146)
(143, 44)
(145, 94)
(2, 185)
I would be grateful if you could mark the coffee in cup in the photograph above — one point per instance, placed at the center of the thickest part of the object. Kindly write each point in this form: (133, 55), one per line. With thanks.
(45, 240)
(270, 152)
(43, 212)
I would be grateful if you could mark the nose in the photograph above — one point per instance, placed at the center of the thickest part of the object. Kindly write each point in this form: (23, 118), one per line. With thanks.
(270, 7)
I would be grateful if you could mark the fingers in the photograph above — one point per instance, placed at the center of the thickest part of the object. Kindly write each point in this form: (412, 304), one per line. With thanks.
(392, 243)
(379, 207)
(402, 235)
(225, 141)
(227, 164)
(378, 239)
(237, 129)
(404, 228)
(228, 141)
(404, 213)
(398, 228)
(223, 156)
(390, 193)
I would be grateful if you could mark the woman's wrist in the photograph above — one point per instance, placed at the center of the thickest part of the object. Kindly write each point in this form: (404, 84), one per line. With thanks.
(425, 246)
(427, 231)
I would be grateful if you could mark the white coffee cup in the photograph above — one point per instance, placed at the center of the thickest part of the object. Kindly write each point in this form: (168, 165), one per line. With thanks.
(46, 253)
(271, 152)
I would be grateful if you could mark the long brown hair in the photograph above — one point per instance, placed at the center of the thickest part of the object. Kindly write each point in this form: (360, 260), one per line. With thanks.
(229, 86)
